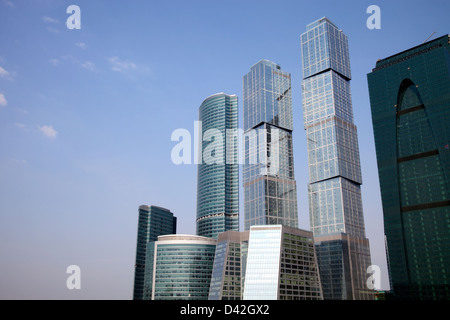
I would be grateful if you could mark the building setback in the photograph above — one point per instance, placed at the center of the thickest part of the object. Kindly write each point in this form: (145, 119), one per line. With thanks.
(410, 103)
(218, 173)
(334, 191)
(270, 192)
(153, 222)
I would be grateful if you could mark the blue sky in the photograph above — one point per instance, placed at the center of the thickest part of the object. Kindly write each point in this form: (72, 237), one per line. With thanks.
(86, 118)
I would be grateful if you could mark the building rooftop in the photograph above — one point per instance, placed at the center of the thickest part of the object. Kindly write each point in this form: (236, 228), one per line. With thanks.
(314, 24)
(218, 94)
(147, 207)
(412, 52)
(183, 238)
(267, 63)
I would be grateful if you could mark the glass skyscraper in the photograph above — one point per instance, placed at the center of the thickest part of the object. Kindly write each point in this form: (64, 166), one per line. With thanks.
(153, 222)
(410, 103)
(218, 173)
(179, 267)
(270, 194)
(336, 213)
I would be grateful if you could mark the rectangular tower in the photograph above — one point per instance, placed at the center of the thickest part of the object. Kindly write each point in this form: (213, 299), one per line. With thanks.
(410, 102)
(153, 222)
(335, 205)
(270, 193)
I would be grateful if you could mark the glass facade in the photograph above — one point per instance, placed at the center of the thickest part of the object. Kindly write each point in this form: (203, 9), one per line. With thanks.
(410, 103)
(218, 183)
(181, 268)
(334, 189)
(228, 275)
(148, 274)
(340, 256)
(153, 222)
(281, 265)
(270, 192)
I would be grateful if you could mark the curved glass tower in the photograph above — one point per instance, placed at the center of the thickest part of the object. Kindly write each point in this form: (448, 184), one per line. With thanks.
(179, 267)
(218, 172)
(410, 103)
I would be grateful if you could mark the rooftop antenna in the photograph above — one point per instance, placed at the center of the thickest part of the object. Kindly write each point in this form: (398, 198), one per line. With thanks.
(430, 37)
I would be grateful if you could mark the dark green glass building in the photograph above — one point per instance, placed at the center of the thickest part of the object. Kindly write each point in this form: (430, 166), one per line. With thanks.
(410, 102)
(153, 222)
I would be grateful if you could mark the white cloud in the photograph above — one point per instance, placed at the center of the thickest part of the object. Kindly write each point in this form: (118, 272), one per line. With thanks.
(82, 45)
(20, 161)
(20, 110)
(48, 131)
(88, 65)
(52, 30)
(5, 74)
(121, 65)
(54, 62)
(3, 100)
(49, 20)
(8, 3)
(21, 126)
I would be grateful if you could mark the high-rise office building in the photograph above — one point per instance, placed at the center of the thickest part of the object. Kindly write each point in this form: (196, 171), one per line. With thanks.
(281, 265)
(179, 267)
(410, 103)
(334, 191)
(270, 194)
(228, 275)
(218, 173)
(153, 222)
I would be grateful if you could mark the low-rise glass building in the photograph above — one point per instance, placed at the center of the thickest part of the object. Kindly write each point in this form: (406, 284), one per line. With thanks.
(269, 262)
(228, 275)
(179, 267)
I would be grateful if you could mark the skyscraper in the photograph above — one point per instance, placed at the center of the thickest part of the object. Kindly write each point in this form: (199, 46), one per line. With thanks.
(153, 222)
(410, 102)
(218, 173)
(335, 205)
(270, 194)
